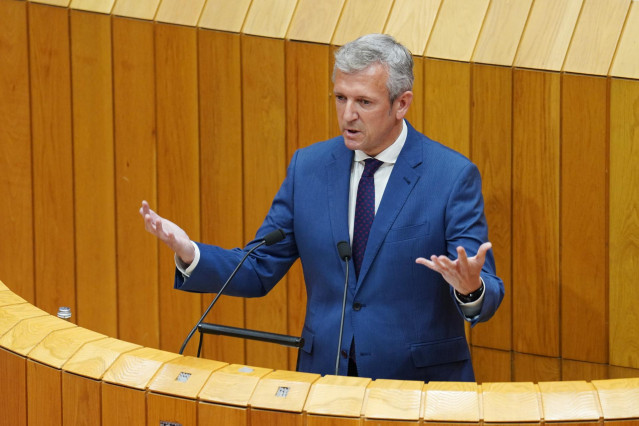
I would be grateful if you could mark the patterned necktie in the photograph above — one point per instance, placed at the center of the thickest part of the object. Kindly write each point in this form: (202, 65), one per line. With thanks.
(364, 211)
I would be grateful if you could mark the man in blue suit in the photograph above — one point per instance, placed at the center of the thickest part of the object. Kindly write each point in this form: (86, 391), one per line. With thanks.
(405, 313)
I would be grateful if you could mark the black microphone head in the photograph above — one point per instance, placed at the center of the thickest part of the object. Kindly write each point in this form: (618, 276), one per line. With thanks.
(274, 237)
(344, 250)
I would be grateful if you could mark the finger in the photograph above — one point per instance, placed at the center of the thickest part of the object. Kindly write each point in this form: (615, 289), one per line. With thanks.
(442, 262)
(481, 252)
(425, 262)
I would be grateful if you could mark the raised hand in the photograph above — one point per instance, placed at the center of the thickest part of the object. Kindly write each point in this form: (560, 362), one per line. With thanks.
(461, 273)
(169, 233)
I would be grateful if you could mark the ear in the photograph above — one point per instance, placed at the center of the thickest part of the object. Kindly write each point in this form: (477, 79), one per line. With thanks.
(402, 103)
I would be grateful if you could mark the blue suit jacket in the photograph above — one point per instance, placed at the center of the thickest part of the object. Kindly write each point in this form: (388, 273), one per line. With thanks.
(403, 317)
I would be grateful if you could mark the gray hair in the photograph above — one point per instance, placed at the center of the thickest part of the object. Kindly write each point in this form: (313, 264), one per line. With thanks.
(363, 52)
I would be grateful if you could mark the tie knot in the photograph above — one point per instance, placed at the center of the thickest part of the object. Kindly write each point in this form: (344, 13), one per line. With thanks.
(371, 166)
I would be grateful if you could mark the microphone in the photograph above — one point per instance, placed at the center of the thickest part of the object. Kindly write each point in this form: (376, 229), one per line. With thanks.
(269, 239)
(344, 251)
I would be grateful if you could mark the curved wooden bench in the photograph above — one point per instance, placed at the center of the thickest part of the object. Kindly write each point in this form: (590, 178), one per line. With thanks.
(53, 372)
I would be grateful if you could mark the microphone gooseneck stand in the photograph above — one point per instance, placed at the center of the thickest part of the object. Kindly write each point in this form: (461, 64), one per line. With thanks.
(344, 250)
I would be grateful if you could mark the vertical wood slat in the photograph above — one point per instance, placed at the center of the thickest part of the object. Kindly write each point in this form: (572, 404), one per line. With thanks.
(447, 94)
(81, 400)
(16, 222)
(307, 117)
(93, 154)
(624, 223)
(536, 133)
(491, 365)
(264, 129)
(13, 387)
(52, 157)
(135, 179)
(178, 169)
(491, 150)
(122, 406)
(164, 408)
(220, 89)
(584, 155)
(44, 399)
(534, 368)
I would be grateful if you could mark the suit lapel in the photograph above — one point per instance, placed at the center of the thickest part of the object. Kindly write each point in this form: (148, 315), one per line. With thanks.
(400, 184)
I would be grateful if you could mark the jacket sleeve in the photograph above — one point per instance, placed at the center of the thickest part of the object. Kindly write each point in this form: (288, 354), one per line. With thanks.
(263, 268)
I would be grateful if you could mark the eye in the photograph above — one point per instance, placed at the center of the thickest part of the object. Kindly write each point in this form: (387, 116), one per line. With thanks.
(365, 102)
(340, 98)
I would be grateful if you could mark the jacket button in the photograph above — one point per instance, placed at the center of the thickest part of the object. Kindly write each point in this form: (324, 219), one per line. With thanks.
(357, 306)
(344, 354)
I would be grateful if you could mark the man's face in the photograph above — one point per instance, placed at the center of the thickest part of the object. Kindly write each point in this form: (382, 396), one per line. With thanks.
(366, 117)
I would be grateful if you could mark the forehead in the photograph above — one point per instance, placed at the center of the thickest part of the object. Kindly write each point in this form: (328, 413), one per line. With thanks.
(370, 81)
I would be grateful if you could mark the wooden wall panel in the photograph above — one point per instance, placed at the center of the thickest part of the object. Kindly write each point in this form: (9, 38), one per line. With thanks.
(411, 23)
(178, 169)
(122, 406)
(135, 179)
(223, 15)
(98, 6)
(264, 129)
(16, 220)
(417, 108)
(13, 387)
(584, 154)
(167, 409)
(315, 21)
(577, 370)
(221, 199)
(81, 400)
(533, 368)
(457, 29)
(491, 150)
(93, 154)
(492, 365)
(500, 35)
(307, 117)
(624, 223)
(44, 399)
(361, 17)
(179, 12)
(536, 133)
(140, 9)
(548, 32)
(626, 62)
(52, 157)
(209, 414)
(596, 36)
(447, 94)
(269, 18)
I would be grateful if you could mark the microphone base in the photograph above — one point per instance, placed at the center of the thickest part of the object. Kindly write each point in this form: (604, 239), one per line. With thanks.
(243, 333)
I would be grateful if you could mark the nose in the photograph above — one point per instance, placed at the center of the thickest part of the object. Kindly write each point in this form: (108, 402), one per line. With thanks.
(350, 112)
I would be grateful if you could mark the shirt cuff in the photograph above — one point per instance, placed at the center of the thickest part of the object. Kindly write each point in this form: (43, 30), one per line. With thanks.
(185, 269)
(472, 309)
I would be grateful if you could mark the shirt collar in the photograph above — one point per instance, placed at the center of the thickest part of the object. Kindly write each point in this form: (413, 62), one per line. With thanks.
(390, 154)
